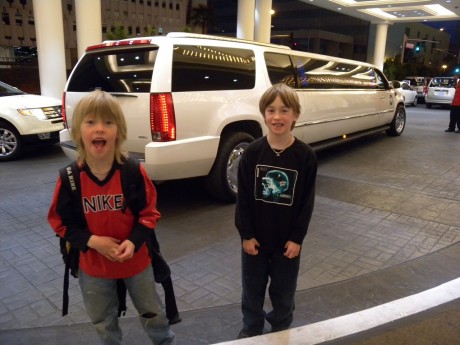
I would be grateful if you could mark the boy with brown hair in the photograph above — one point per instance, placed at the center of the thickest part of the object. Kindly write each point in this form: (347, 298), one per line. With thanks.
(276, 190)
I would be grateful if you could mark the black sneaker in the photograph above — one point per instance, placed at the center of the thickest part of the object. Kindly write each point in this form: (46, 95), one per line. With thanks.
(457, 131)
(449, 130)
(244, 333)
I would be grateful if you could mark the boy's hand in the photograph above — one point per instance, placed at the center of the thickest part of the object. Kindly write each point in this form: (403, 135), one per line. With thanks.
(251, 246)
(125, 251)
(292, 249)
(105, 245)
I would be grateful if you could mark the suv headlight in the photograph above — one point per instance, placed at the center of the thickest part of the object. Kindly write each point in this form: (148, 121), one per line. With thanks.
(38, 113)
(46, 113)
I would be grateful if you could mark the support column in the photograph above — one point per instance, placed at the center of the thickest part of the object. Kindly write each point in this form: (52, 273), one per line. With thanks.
(380, 43)
(89, 24)
(49, 30)
(245, 20)
(263, 21)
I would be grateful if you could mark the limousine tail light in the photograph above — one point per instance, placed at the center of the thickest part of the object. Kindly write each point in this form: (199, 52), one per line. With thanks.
(162, 117)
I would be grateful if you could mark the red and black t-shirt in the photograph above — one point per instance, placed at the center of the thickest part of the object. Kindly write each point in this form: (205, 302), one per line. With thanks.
(102, 203)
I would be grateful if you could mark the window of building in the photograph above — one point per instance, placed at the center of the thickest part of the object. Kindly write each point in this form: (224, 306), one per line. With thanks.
(31, 20)
(5, 18)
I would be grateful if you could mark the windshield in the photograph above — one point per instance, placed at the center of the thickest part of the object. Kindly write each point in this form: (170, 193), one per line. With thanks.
(7, 90)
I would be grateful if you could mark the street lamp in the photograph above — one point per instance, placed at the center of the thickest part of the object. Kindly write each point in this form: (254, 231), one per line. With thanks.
(443, 68)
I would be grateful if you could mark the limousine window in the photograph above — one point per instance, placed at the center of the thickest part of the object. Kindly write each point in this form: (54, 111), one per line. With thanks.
(382, 82)
(322, 74)
(206, 68)
(123, 70)
(280, 69)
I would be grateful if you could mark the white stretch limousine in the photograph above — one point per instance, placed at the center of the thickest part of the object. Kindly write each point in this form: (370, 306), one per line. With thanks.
(191, 101)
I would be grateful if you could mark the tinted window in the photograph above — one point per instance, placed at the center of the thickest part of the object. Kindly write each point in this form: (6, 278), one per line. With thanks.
(324, 74)
(280, 69)
(443, 82)
(7, 90)
(125, 70)
(202, 68)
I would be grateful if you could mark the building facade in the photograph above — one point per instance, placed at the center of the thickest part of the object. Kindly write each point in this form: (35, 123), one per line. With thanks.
(314, 29)
(135, 17)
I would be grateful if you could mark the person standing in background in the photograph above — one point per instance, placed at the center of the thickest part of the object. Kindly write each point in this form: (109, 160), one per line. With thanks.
(455, 109)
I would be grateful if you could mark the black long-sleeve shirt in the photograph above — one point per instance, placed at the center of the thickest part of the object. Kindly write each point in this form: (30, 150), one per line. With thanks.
(275, 193)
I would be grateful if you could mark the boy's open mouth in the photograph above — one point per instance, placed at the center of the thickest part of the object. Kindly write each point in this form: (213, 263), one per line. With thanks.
(99, 143)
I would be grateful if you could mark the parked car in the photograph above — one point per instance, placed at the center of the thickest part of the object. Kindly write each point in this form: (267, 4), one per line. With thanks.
(440, 91)
(191, 101)
(407, 91)
(26, 119)
(419, 84)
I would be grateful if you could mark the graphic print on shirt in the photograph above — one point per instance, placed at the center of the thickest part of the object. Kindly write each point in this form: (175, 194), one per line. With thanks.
(275, 184)
(98, 203)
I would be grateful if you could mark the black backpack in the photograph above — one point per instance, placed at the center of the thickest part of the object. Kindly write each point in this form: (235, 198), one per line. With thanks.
(130, 179)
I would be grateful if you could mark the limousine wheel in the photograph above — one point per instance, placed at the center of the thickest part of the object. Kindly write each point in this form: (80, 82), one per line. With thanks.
(222, 181)
(399, 122)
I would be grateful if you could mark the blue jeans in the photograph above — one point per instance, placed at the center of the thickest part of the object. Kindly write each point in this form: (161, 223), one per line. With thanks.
(101, 302)
(283, 272)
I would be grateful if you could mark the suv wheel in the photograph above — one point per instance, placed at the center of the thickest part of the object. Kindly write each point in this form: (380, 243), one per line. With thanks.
(10, 142)
(222, 181)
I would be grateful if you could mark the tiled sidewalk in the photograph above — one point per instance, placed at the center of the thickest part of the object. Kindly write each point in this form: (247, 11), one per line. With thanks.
(381, 203)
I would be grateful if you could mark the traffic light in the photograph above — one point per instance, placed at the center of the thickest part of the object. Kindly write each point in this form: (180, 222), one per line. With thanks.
(417, 48)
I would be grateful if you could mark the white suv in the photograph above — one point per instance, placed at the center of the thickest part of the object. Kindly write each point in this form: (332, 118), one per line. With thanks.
(26, 119)
(440, 91)
(191, 101)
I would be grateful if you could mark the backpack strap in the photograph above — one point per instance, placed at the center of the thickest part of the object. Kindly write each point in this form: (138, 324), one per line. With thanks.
(70, 177)
(131, 177)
